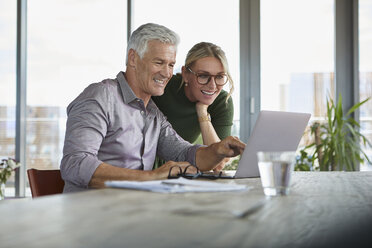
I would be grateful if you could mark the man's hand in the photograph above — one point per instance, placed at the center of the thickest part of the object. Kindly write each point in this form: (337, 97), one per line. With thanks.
(229, 147)
(207, 158)
(163, 171)
(221, 165)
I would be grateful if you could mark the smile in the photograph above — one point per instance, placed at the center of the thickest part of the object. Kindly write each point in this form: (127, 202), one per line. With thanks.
(159, 81)
(208, 92)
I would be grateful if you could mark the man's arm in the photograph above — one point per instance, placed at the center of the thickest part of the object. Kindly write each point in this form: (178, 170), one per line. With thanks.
(208, 158)
(107, 172)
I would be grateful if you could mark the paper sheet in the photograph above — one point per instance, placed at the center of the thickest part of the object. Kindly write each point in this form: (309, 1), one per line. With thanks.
(179, 185)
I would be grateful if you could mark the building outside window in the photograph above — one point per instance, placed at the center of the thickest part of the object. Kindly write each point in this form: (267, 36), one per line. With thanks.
(8, 43)
(297, 56)
(365, 71)
(72, 44)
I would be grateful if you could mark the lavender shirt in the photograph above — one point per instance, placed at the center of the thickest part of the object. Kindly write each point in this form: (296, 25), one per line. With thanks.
(108, 123)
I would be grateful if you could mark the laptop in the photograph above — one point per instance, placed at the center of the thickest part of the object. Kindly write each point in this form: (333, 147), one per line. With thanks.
(273, 131)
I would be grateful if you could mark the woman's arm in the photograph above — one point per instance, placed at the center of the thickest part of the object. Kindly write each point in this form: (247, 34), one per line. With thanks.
(208, 132)
(209, 135)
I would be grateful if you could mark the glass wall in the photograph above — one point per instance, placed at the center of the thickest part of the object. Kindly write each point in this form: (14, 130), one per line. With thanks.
(365, 71)
(8, 47)
(71, 44)
(297, 55)
(74, 43)
(215, 21)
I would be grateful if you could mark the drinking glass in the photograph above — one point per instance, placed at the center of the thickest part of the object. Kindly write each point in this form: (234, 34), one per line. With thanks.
(275, 171)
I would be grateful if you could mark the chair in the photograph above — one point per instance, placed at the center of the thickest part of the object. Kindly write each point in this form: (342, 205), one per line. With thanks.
(45, 182)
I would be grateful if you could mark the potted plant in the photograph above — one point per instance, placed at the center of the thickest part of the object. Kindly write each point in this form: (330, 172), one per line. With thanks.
(337, 142)
(7, 166)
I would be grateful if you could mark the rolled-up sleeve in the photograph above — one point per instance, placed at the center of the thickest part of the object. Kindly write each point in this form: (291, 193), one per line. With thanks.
(85, 130)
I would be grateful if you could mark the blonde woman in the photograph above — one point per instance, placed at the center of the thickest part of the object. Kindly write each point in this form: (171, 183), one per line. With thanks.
(195, 102)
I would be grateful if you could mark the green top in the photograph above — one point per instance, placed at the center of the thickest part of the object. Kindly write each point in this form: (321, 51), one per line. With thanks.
(181, 113)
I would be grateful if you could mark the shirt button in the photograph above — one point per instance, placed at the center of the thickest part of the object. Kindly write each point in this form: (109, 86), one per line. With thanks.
(142, 112)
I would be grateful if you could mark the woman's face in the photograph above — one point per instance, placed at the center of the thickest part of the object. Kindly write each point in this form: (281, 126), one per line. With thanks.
(197, 92)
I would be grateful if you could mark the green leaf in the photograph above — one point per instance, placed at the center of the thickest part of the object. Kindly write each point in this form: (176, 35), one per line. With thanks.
(340, 142)
(353, 108)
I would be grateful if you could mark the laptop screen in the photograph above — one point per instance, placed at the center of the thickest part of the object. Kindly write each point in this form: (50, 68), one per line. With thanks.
(273, 131)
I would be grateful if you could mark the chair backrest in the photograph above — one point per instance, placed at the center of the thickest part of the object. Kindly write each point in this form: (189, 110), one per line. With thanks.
(45, 182)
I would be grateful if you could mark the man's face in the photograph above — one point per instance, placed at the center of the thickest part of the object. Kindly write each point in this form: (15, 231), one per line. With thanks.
(155, 69)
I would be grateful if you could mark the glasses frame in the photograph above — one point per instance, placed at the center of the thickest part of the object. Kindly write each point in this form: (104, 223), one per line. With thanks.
(198, 174)
(184, 172)
(210, 77)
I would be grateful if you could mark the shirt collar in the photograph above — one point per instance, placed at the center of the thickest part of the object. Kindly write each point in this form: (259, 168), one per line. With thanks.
(151, 105)
(128, 94)
(126, 90)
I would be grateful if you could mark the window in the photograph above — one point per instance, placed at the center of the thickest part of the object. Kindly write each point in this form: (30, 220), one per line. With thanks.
(215, 21)
(71, 44)
(365, 71)
(297, 58)
(8, 28)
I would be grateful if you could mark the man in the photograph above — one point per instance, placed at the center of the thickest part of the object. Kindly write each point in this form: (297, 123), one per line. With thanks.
(114, 130)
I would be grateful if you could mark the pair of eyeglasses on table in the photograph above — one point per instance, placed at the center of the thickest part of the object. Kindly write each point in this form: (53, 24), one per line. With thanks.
(186, 173)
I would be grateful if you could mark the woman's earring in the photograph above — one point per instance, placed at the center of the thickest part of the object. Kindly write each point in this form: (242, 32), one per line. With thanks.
(186, 84)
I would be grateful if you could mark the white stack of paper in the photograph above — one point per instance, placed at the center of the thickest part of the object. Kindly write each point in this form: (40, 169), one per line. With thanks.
(179, 185)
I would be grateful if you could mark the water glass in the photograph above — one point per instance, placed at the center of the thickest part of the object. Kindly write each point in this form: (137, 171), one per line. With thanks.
(275, 171)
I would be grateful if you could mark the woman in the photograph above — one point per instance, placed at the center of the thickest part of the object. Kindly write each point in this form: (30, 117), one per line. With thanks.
(195, 102)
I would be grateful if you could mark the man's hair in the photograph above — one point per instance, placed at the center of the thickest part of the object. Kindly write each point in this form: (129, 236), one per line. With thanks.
(147, 32)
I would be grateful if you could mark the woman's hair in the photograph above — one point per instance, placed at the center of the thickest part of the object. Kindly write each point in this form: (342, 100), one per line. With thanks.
(206, 49)
(147, 32)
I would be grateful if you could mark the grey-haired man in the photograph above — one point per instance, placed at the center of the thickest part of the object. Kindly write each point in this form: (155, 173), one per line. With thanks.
(114, 130)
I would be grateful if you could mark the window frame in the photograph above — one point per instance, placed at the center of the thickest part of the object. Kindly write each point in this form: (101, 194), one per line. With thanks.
(346, 68)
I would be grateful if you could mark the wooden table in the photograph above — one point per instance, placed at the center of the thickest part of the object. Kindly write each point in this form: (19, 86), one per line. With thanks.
(324, 209)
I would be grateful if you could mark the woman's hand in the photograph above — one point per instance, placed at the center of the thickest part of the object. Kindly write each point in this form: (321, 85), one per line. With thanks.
(201, 109)
(208, 133)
